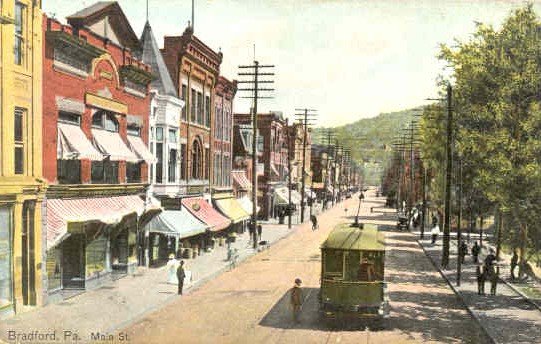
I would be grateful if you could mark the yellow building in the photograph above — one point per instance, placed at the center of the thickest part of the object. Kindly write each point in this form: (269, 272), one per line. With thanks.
(21, 187)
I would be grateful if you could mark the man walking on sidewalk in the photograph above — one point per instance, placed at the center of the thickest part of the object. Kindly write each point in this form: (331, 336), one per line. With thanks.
(475, 252)
(181, 274)
(296, 300)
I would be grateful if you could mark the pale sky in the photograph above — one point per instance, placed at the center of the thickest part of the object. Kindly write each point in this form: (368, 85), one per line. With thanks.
(348, 59)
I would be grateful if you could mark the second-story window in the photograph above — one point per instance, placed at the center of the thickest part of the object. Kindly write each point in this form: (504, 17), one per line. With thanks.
(134, 130)
(18, 135)
(193, 101)
(104, 120)
(159, 133)
(19, 48)
(207, 111)
(200, 117)
(184, 95)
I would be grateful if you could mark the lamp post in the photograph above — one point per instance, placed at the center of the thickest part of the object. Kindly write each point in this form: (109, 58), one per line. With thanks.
(361, 197)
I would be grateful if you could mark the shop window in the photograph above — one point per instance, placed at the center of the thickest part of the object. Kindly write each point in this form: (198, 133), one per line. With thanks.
(159, 163)
(68, 171)
(104, 172)
(172, 166)
(6, 291)
(184, 94)
(105, 120)
(68, 117)
(18, 135)
(54, 269)
(133, 172)
(20, 23)
(95, 256)
(207, 111)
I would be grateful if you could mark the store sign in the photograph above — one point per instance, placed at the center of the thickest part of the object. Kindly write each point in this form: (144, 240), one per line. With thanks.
(171, 203)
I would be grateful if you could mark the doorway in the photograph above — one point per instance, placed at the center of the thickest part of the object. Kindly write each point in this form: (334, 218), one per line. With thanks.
(28, 254)
(73, 262)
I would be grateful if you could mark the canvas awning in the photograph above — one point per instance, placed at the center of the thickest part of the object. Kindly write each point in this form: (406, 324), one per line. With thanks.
(140, 149)
(73, 144)
(61, 213)
(179, 223)
(231, 208)
(239, 178)
(111, 144)
(202, 210)
(282, 196)
(247, 204)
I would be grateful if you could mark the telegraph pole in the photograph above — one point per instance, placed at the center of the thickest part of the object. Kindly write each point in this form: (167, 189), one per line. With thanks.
(289, 205)
(255, 88)
(459, 228)
(326, 181)
(307, 112)
(447, 219)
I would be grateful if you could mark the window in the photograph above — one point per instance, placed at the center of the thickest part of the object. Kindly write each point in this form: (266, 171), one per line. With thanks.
(182, 161)
(159, 133)
(6, 292)
(207, 111)
(207, 162)
(216, 178)
(334, 261)
(196, 160)
(159, 164)
(104, 172)
(183, 95)
(134, 130)
(68, 171)
(18, 135)
(105, 120)
(172, 168)
(20, 12)
(68, 117)
(193, 101)
(96, 252)
(133, 172)
(172, 135)
(199, 108)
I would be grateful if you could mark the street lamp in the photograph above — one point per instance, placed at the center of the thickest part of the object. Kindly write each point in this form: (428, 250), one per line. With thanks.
(361, 197)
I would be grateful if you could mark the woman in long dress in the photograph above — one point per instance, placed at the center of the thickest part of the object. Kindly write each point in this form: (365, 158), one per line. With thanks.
(172, 265)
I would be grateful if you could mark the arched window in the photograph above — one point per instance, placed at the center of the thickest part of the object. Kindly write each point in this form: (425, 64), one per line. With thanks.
(196, 160)
(105, 120)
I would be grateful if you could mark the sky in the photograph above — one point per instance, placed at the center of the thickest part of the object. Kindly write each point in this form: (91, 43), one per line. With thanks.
(348, 59)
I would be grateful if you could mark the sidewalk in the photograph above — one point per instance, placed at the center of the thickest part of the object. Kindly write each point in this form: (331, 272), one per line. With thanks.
(506, 317)
(118, 304)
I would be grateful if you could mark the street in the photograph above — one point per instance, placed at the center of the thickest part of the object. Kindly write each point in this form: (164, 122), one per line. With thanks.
(251, 303)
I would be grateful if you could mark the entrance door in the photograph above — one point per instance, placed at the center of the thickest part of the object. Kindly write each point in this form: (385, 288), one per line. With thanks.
(73, 262)
(28, 254)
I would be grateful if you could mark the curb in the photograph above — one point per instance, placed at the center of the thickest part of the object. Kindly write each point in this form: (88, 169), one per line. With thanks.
(524, 296)
(457, 293)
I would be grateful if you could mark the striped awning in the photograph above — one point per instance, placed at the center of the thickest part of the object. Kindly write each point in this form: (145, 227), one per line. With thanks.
(247, 205)
(282, 196)
(206, 213)
(239, 178)
(73, 144)
(111, 144)
(60, 213)
(140, 149)
(231, 208)
(179, 223)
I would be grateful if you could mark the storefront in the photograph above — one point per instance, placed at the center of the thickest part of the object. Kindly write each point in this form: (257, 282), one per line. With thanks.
(175, 232)
(231, 208)
(6, 273)
(92, 240)
(205, 213)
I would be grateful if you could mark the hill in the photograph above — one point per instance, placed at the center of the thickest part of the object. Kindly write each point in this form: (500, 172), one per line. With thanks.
(370, 139)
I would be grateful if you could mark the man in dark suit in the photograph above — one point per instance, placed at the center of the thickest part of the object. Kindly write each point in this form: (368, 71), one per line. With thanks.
(181, 274)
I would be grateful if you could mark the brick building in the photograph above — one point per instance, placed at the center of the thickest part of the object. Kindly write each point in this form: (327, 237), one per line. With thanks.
(95, 130)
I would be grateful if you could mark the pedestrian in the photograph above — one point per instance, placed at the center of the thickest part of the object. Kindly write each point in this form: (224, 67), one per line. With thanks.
(514, 263)
(181, 274)
(313, 218)
(481, 277)
(490, 259)
(475, 252)
(463, 251)
(296, 300)
(435, 232)
(171, 265)
(259, 231)
(434, 220)
(494, 281)
(251, 230)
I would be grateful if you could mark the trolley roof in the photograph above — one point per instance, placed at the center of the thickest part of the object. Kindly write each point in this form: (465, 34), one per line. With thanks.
(346, 237)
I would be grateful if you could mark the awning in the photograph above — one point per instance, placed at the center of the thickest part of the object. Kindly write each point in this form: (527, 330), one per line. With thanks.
(239, 178)
(231, 208)
(206, 213)
(73, 144)
(140, 149)
(247, 205)
(108, 210)
(110, 143)
(179, 223)
(274, 170)
(282, 196)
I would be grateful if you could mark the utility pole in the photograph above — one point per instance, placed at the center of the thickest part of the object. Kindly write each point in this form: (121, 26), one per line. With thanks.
(459, 227)
(423, 167)
(447, 219)
(307, 112)
(255, 88)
